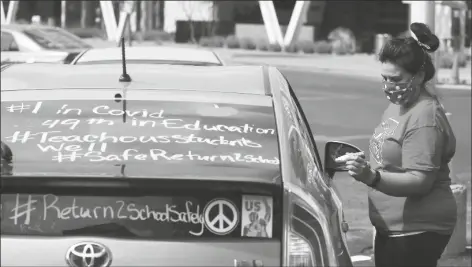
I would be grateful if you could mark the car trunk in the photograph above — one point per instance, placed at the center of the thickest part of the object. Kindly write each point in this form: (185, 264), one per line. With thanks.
(139, 222)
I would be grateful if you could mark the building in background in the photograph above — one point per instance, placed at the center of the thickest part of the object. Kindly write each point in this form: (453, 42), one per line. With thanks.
(243, 18)
(83, 14)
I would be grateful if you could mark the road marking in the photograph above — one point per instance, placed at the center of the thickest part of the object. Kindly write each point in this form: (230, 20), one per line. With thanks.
(324, 138)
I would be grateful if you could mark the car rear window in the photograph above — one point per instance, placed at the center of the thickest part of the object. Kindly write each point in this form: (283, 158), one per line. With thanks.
(155, 217)
(55, 39)
(156, 137)
(91, 140)
(150, 61)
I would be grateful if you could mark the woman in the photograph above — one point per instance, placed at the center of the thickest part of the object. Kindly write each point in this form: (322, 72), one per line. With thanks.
(411, 204)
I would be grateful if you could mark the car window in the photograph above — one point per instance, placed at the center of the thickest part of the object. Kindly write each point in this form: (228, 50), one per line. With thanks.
(304, 155)
(148, 134)
(8, 42)
(55, 39)
(297, 118)
(151, 61)
(136, 139)
(305, 130)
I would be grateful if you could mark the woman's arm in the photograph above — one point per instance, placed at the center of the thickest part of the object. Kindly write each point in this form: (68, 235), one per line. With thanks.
(413, 183)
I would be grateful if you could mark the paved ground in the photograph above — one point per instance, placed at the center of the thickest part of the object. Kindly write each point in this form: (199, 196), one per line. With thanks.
(347, 109)
(359, 65)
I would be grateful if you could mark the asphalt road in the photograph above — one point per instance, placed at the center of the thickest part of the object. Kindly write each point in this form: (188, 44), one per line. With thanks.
(346, 108)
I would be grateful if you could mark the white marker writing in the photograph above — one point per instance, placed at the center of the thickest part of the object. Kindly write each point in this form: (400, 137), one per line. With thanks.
(105, 110)
(26, 208)
(91, 146)
(61, 147)
(99, 121)
(37, 107)
(64, 110)
(73, 123)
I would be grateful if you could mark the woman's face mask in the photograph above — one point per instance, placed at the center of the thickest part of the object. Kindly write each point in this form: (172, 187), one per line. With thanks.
(398, 92)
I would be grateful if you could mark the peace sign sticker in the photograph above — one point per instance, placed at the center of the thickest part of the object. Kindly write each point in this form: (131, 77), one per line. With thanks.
(221, 216)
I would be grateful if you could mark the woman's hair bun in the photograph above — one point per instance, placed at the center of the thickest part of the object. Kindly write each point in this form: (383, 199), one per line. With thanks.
(425, 36)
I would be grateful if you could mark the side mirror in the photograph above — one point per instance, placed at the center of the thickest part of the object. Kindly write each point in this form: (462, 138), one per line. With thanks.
(333, 150)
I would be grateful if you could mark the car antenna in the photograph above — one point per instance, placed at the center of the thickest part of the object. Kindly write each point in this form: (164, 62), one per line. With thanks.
(124, 76)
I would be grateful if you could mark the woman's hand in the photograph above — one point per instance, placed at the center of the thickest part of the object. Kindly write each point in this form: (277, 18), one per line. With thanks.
(357, 167)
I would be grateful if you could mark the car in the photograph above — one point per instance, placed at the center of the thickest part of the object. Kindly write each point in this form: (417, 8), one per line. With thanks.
(149, 55)
(164, 165)
(39, 43)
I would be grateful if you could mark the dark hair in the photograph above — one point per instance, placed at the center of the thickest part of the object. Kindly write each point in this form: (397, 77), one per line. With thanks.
(411, 54)
(5, 152)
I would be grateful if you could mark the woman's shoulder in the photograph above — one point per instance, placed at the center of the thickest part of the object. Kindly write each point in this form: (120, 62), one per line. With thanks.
(427, 112)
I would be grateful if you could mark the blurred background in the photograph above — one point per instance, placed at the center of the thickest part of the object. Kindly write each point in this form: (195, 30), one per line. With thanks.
(190, 21)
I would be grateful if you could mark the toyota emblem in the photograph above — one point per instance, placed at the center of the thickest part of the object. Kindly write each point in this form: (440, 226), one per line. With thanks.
(88, 254)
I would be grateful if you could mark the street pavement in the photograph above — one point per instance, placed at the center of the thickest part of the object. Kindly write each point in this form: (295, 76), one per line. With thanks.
(347, 108)
(359, 65)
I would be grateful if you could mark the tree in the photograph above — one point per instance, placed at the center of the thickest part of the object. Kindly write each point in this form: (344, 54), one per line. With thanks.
(83, 14)
(195, 10)
(190, 8)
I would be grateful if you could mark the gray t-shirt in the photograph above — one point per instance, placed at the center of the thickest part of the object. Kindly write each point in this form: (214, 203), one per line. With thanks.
(419, 138)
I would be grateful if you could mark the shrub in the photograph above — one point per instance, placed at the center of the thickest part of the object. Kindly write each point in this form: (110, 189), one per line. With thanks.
(157, 35)
(275, 48)
(446, 60)
(213, 41)
(340, 48)
(218, 41)
(343, 40)
(204, 41)
(248, 44)
(293, 48)
(232, 42)
(262, 45)
(307, 47)
(323, 47)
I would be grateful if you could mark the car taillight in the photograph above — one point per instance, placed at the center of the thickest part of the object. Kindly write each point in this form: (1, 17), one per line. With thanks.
(300, 252)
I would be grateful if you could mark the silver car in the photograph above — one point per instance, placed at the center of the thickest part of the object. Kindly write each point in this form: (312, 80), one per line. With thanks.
(39, 43)
(180, 166)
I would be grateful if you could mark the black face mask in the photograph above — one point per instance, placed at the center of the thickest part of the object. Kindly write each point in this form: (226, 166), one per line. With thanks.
(398, 93)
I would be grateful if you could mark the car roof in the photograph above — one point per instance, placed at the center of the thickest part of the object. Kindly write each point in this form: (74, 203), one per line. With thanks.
(164, 53)
(222, 79)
